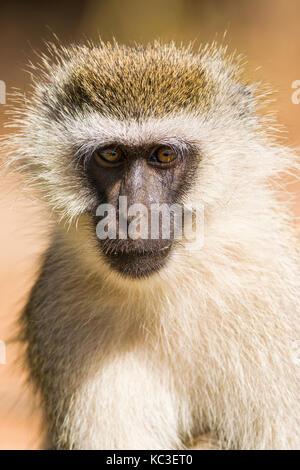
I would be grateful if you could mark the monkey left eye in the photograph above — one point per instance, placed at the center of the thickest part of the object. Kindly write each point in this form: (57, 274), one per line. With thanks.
(163, 155)
(109, 157)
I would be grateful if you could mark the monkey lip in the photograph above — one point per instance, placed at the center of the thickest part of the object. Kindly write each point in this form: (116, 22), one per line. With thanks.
(140, 252)
(138, 263)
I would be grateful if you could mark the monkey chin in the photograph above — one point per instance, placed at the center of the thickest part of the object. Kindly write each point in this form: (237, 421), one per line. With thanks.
(138, 264)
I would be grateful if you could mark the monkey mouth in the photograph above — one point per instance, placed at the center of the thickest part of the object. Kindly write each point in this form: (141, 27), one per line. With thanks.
(137, 262)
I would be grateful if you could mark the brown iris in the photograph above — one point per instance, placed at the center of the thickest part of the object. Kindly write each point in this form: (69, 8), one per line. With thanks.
(109, 157)
(163, 156)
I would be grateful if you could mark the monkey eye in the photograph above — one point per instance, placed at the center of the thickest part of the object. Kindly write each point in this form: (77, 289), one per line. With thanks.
(163, 156)
(109, 157)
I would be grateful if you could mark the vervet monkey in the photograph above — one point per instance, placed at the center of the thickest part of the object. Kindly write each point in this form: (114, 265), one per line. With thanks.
(152, 343)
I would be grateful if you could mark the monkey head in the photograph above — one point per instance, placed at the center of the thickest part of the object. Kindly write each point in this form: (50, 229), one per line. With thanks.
(155, 124)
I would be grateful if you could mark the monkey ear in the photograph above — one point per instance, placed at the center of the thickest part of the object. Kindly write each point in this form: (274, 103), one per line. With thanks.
(242, 100)
(240, 97)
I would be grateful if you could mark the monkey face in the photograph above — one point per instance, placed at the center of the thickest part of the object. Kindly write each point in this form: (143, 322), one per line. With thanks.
(145, 178)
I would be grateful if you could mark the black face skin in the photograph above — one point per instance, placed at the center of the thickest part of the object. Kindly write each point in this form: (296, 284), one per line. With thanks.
(142, 176)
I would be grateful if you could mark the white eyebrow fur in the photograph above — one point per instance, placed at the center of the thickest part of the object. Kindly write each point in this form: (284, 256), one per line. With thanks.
(92, 131)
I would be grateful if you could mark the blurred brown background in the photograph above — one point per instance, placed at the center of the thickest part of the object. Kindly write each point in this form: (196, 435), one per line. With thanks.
(266, 31)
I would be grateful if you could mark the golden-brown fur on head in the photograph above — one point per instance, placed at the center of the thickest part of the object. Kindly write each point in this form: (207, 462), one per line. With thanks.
(132, 82)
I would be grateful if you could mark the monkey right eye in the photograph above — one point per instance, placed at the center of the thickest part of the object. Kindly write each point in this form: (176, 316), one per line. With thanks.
(109, 157)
